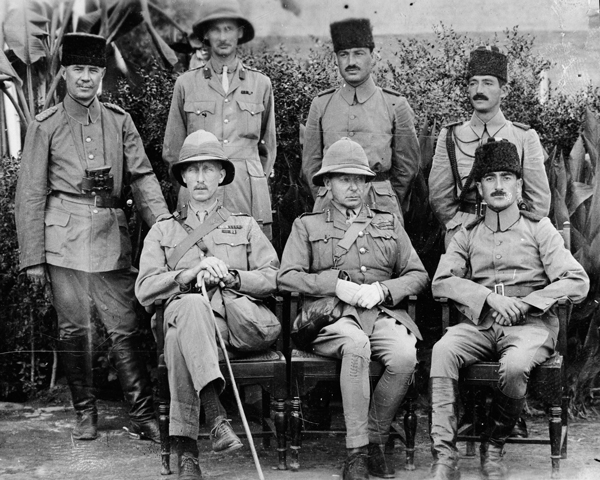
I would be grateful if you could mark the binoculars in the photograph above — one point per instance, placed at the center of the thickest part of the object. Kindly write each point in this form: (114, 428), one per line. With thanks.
(97, 181)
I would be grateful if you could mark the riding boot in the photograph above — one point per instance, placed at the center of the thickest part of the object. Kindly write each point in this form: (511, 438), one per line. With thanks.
(136, 389)
(76, 361)
(444, 425)
(503, 415)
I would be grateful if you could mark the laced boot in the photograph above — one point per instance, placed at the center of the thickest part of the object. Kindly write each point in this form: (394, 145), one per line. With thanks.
(377, 463)
(503, 415)
(136, 389)
(520, 429)
(356, 465)
(444, 425)
(188, 464)
(76, 361)
(223, 438)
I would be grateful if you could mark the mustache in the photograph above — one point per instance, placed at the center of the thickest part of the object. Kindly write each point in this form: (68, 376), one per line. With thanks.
(480, 96)
(351, 67)
(498, 193)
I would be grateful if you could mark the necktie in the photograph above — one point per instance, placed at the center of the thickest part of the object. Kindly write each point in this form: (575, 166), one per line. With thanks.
(201, 216)
(225, 79)
(485, 135)
(350, 215)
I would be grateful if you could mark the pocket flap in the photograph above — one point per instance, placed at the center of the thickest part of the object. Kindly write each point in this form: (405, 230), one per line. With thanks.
(254, 168)
(199, 107)
(382, 188)
(251, 108)
(324, 236)
(231, 239)
(56, 217)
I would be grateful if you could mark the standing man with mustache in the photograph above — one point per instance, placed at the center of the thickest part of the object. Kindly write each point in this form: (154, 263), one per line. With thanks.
(235, 103)
(452, 193)
(379, 119)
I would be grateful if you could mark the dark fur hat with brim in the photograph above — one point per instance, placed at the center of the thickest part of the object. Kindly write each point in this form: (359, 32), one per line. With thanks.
(344, 156)
(201, 146)
(488, 60)
(83, 49)
(496, 155)
(211, 10)
(352, 33)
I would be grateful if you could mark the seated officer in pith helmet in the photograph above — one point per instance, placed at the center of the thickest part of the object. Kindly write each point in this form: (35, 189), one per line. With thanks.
(505, 272)
(234, 258)
(360, 262)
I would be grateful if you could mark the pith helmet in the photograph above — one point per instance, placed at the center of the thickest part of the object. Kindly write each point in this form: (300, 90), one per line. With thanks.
(496, 155)
(344, 156)
(211, 10)
(83, 49)
(200, 146)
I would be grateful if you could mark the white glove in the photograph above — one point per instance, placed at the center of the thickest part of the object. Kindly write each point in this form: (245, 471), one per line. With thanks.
(346, 291)
(368, 296)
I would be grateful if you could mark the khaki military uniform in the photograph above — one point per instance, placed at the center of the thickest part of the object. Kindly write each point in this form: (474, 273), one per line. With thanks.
(243, 119)
(382, 122)
(381, 253)
(444, 192)
(191, 351)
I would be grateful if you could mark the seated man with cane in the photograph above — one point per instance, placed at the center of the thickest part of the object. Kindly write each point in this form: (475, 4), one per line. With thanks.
(355, 265)
(206, 244)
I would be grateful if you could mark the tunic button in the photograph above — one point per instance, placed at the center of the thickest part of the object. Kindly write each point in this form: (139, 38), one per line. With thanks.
(90, 156)
(351, 134)
(197, 112)
(326, 240)
(363, 269)
(95, 211)
(226, 100)
(498, 256)
(88, 139)
(352, 117)
(226, 121)
(360, 234)
(225, 141)
(362, 250)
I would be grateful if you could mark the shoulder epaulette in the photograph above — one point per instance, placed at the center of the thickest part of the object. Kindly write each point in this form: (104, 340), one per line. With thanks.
(306, 214)
(115, 108)
(522, 126)
(40, 117)
(453, 124)
(474, 223)
(326, 92)
(378, 210)
(391, 92)
(534, 217)
(246, 67)
(240, 214)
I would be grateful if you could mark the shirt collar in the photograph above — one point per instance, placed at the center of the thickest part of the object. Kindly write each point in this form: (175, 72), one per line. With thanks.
(217, 67)
(197, 213)
(80, 113)
(494, 126)
(503, 220)
(361, 212)
(363, 92)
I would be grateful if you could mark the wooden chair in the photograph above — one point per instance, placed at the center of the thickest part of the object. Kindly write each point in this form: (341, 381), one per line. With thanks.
(547, 383)
(267, 369)
(307, 369)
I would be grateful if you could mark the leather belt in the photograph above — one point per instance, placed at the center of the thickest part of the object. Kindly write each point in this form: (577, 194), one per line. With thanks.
(513, 290)
(93, 200)
(473, 208)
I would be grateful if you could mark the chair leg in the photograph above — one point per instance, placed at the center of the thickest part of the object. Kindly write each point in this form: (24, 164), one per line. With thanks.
(410, 431)
(165, 440)
(555, 425)
(280, 428)
(565, 426)
(296, 427)
(265, 413)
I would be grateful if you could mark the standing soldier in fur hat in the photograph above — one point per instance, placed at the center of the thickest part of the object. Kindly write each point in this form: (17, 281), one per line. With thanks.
(505, 271)
(356, 264)
(379, 119)
(235, 103)
(78, 157)
(452, 193)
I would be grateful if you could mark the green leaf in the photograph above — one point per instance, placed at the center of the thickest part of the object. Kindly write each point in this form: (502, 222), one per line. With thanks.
(7, 70)
(23, 28)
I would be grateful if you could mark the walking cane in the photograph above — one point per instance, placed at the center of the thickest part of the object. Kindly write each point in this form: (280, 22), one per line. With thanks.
(235, 390)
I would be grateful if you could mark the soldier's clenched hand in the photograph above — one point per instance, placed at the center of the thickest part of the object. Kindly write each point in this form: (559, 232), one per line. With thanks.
(346, 291)
(507, 310)
(368, 296)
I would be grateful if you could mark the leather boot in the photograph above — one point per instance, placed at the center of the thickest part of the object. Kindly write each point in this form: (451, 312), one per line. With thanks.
(76, 361)
(520, 429)
(378, 465)
(444, 425)
(188, 463)
(223, 438)
(355, 466)
(136, 389)
(503, 415)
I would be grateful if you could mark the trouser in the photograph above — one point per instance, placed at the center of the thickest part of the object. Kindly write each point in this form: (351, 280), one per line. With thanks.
(392, 345)
(192, 358)
(77, 297)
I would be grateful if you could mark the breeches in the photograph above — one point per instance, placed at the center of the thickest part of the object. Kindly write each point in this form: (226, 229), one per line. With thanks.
(78, 295)
(518, 349)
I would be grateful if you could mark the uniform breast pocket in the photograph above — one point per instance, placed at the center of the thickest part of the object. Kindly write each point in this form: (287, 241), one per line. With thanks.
(232, 248)
(384, 245)
(57, 232)
(199, 114)
(322, 247)
(250, 119)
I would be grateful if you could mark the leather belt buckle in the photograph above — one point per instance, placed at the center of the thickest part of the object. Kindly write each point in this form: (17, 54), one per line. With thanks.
(499, 289)
(481, 208)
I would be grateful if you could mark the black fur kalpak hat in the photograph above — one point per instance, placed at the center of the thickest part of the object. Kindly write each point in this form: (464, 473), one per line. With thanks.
(352, 33)
(496, 155)
(83, 49)
(488, 60)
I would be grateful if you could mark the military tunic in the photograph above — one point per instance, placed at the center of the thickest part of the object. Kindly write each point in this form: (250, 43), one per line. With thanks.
(243, 119)
(527, 257)
(382, 122)
(444, 193)
(191, 351)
